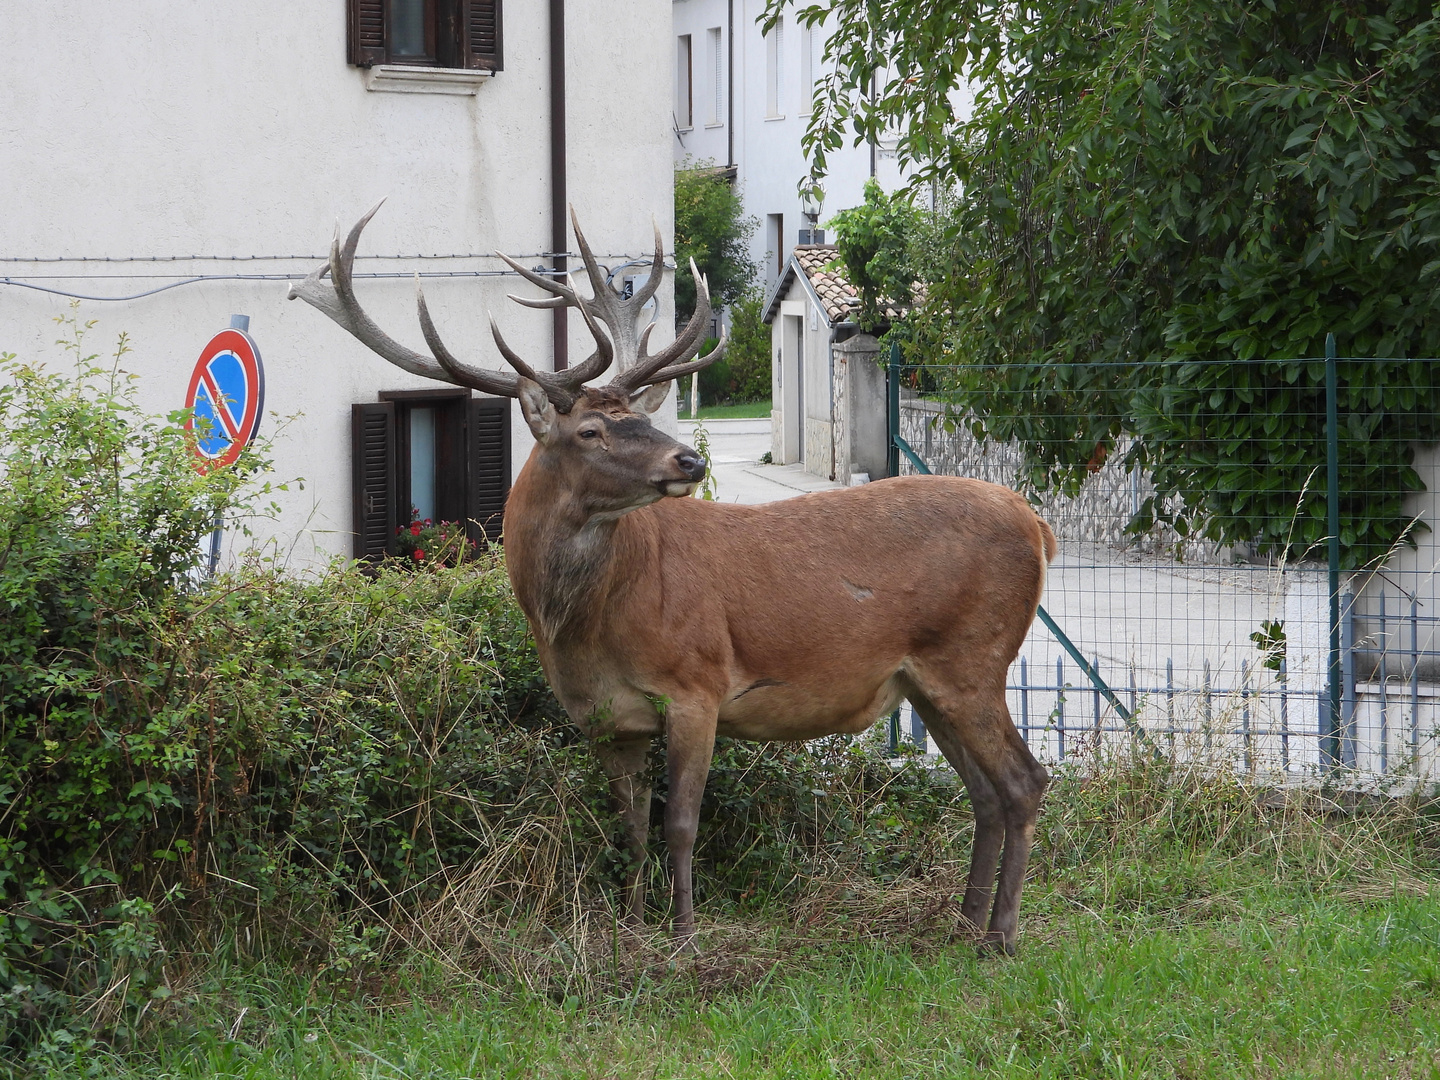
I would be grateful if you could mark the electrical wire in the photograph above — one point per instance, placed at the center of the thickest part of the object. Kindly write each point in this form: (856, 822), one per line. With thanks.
(285, 258)
(30, 279)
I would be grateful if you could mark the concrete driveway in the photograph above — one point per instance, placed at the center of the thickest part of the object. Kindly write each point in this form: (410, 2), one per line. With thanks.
(736, 447)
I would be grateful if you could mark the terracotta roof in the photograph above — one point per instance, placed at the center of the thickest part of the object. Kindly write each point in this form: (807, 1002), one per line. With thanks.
(838, 298)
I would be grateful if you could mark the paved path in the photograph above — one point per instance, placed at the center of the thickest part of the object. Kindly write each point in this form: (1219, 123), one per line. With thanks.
(736, 447)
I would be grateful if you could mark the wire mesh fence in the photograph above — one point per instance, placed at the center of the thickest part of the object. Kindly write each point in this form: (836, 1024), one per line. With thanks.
(1246, 556)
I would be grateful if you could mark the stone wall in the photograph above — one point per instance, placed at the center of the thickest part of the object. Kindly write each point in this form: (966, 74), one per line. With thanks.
(1108, 499)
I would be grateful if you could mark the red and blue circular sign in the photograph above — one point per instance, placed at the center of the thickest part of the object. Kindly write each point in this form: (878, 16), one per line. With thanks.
(226, 399)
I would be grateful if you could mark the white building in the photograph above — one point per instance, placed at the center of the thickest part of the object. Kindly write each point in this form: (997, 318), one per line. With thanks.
(827, 383)
(151, 143)
(743, 100)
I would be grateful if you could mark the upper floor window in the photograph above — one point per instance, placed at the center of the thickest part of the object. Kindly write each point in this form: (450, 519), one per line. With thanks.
(426, 33)
(715, 64)
(684, 84)
(774, 69)
(809, 67)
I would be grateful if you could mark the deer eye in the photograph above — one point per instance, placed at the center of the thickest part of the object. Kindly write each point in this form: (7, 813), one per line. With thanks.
(589, 433)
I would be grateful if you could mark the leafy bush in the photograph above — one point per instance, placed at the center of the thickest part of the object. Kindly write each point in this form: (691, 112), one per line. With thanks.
(101, 517)
(321, 768)
(711, 228)
(748, 352)
(874, 242)
(743, 373)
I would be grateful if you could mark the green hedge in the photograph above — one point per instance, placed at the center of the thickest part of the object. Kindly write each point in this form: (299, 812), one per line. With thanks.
(301, 766)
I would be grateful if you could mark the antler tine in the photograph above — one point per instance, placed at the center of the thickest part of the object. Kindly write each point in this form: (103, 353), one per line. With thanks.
(488, 382)
(681, 349)
(657, 270)
(562, 294)
(610, 308)
(677, 371)
(560, 395)
(545, 302)
(338, 301)
(599, 361)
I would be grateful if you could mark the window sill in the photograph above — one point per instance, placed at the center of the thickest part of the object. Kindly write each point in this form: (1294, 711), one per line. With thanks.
(402, 79)
(779, 116)
(717, 124)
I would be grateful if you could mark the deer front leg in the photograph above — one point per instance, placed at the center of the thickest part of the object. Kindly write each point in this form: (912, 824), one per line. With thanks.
(624, 762)
(689, 746)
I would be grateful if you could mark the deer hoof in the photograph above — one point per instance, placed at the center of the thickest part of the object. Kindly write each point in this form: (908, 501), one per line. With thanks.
(995, 945)
(685, 941)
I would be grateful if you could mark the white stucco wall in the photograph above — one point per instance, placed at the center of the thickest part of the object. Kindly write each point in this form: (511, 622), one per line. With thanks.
(184, 129)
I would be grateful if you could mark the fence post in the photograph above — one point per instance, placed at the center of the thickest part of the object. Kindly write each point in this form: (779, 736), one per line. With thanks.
(1330, 738)
(892, 385)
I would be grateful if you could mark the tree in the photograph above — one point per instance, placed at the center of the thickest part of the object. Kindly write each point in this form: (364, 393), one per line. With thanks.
(711, 228)
(873, 240)
(1144, 187)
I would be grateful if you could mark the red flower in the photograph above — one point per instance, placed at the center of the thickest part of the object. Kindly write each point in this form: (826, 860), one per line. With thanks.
(417, 554)
(415, 529)
(429, 522)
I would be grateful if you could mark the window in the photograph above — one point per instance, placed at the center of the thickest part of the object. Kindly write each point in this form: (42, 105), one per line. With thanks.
(717, 76)
(426, 33)
(774, 75)
(684, 84)
(775, 239)
(809, 67)
(441, 452)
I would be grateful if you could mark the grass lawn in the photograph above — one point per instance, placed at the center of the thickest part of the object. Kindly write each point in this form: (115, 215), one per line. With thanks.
(753, 410)
(1194, 927)
(1273, 984)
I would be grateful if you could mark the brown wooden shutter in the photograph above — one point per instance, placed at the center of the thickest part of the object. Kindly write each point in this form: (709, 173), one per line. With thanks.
(489, 466)
(372, 449)
(365, 36)
(481, 36)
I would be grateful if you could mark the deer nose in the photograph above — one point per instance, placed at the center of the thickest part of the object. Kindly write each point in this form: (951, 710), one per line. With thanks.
(691, 464)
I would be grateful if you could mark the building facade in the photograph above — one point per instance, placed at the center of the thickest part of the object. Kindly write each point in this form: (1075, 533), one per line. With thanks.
(742, 99)
(195, 159)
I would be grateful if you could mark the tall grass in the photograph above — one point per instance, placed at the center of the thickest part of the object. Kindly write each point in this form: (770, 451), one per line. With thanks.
(1180, 921)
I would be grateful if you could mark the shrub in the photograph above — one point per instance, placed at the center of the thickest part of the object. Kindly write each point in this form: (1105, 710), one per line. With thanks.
(101, 518)
(318, 768)
(743, 373)
(711, 228)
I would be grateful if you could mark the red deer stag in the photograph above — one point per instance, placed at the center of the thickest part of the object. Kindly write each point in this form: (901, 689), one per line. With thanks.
(657, 614)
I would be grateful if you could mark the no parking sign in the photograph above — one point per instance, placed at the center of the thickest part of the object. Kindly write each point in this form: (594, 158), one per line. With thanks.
(226, 398)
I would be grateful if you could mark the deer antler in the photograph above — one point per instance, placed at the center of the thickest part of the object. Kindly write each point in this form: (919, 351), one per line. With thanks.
(620, 315)
(671, 361)
(605, 305)
(338, 301)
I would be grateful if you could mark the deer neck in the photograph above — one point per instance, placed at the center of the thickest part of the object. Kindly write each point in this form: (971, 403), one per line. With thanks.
(561, 557)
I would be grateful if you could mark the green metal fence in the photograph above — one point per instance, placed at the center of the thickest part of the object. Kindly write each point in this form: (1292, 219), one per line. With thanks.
(1246, 564)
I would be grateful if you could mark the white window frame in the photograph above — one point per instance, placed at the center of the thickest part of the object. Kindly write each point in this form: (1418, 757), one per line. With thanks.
(716, 40)
(809, 67)
(684, 83)
(775, 70)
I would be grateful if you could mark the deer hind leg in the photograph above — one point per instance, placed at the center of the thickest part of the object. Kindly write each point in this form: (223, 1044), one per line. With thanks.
(977, 722)
(689, 747)
(624, 762)
(989, 818)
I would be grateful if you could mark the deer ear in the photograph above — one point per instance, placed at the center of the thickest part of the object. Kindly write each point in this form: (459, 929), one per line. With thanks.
(651, 398)
(538, 411)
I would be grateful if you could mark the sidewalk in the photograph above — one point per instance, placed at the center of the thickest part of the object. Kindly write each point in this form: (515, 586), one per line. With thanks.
(736, 447)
